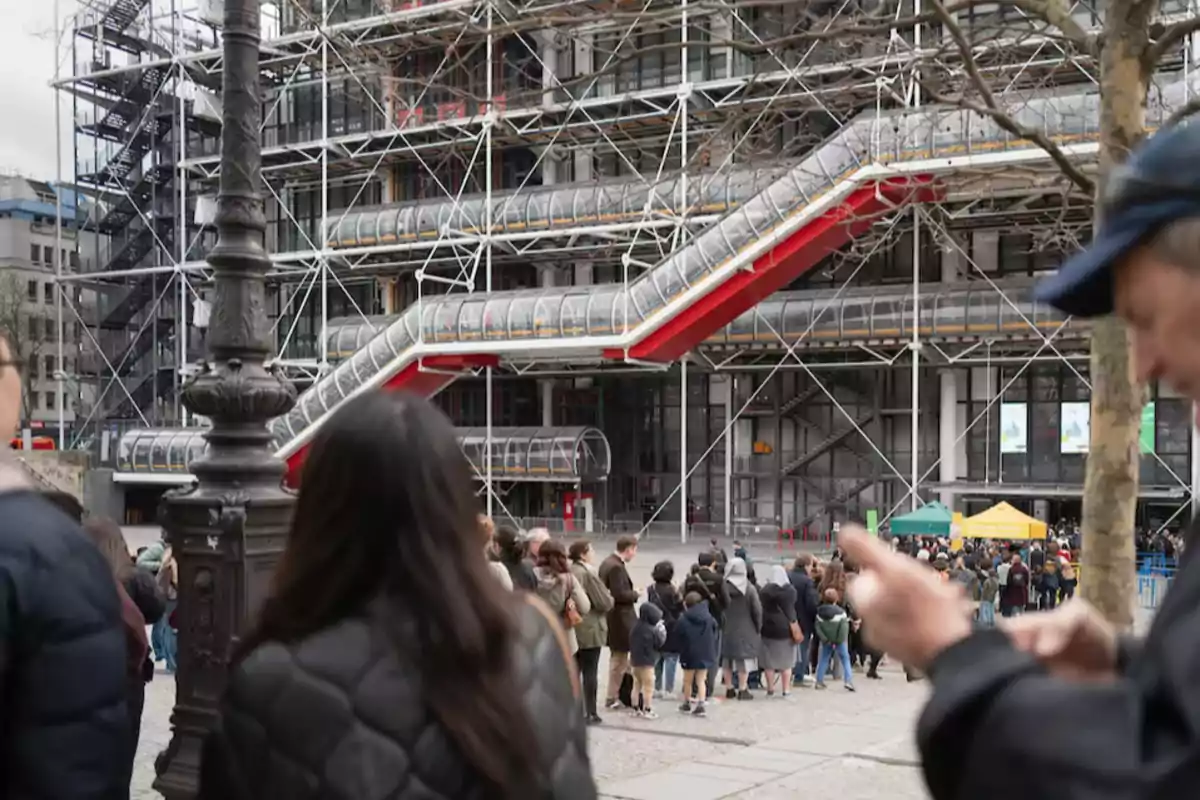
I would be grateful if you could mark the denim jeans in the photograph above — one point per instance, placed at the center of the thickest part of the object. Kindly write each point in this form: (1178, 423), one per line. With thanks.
(823, 659)
(803, 658)
(665, 668)
(163, 635)
(716, 667)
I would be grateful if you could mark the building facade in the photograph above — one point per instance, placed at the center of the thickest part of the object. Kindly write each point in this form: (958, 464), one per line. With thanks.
(33, 247)
(787, 284)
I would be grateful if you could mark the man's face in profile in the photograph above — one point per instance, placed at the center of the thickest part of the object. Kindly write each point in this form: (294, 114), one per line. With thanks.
(10, 392)
(1160, 303)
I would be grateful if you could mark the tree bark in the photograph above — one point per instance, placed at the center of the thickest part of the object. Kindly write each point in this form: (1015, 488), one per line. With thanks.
(1111, 487)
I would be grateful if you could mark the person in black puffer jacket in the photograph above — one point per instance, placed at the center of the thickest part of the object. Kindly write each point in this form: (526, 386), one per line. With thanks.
(66, 731)
(663, 594)
(388, 661)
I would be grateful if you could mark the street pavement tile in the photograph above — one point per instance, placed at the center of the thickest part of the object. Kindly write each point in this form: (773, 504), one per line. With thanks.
(729, 772)
(674, 784)
(764, 759)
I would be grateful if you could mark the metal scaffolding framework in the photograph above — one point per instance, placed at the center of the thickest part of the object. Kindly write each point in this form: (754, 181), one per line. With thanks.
(547, 190)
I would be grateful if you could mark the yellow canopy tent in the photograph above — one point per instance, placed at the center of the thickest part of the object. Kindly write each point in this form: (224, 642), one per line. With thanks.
(1002, 521)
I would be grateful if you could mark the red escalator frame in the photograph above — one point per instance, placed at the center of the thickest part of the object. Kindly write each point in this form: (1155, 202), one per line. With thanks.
(425, 377)
(782, 264)
(775, 269)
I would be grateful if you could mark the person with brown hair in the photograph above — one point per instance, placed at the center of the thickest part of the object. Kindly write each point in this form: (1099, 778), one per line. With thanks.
(614, 574)
(141, 605)
(387, 661)
(558, 588)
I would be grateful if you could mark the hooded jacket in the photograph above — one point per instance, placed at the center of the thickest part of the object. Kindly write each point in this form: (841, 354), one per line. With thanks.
(648, 636)
(696, 633)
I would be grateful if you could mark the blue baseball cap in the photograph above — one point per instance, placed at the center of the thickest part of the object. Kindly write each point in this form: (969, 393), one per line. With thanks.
(1159, 184)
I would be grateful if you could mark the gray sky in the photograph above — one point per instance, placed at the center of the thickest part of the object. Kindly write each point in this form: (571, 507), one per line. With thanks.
(27, 56)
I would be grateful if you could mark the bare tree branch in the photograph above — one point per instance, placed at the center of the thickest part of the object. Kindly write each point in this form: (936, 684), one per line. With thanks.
(1188, 109)
(1170, 37)
(1058, 14)
(989, 107)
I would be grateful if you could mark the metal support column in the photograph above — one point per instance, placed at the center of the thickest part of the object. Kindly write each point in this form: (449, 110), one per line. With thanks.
(487, 243)
(730, 438)
(228, 531)
(683, 465)
(182, 333)
(915, 345)
(59, 373)
(915, 349)
(323, 262)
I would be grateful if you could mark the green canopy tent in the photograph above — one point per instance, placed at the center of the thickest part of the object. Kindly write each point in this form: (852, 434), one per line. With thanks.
(932, 519)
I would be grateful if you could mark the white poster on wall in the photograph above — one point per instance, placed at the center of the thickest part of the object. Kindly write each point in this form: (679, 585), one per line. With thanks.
(1075, 430)
(1014, 428)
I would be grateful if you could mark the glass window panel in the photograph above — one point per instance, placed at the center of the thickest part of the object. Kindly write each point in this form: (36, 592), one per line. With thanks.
(141, 454)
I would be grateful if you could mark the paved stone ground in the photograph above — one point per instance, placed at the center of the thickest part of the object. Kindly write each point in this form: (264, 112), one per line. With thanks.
(854, 746)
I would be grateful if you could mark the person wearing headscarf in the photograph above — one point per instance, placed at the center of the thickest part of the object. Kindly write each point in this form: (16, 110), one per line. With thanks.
(743, 624)
(779, 629)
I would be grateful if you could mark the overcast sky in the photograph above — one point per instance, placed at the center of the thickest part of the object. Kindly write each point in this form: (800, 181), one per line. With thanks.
(27, 56)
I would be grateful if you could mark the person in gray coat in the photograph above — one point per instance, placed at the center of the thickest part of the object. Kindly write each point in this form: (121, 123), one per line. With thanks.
(741, 639)
(592, 633)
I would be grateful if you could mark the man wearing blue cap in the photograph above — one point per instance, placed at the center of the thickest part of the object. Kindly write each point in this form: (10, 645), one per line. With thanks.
(1075, 710)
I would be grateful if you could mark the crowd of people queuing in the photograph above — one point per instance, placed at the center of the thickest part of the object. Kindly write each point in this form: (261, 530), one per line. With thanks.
(1002, 577)
(719, 626)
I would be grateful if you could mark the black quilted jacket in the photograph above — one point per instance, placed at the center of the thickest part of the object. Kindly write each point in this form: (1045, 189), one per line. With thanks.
(341, 715)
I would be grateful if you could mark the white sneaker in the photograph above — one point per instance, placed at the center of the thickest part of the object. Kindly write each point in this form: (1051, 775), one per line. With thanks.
(647, 714)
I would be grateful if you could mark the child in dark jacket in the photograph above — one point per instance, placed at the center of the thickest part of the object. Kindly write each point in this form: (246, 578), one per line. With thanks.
(645, 642)
(833, 630)
(696, 633)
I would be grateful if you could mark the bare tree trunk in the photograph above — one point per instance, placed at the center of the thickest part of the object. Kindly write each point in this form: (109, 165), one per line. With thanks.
(1111, 489)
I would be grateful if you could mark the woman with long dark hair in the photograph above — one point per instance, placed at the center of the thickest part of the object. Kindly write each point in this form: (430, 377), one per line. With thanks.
(387, 657)
(141, 605)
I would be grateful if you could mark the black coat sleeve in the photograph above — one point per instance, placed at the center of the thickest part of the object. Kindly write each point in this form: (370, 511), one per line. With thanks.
(995, 705)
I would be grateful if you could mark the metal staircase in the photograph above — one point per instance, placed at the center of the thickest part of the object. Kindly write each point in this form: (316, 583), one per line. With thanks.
(830, 441)
(128, 122)
(143, 392)
(126, 208)
(797, 402)
(110, 22)
(839, 499)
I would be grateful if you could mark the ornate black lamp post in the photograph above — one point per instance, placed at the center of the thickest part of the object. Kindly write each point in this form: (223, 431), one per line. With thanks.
(228, 531)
